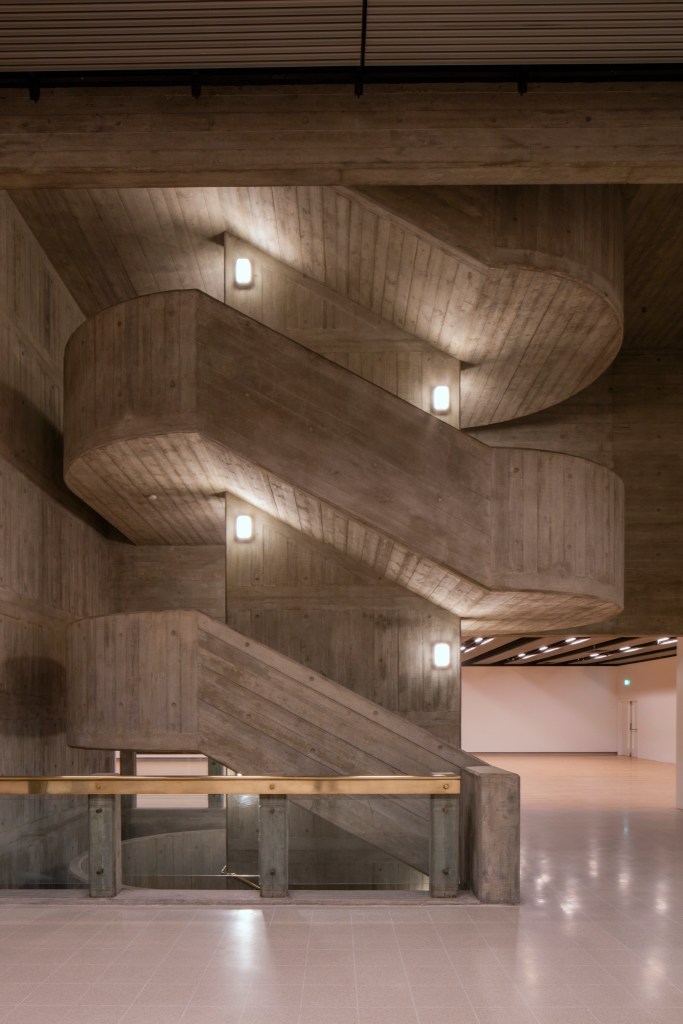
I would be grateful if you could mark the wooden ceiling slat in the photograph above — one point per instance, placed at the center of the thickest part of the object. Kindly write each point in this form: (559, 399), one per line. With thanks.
(37, 35)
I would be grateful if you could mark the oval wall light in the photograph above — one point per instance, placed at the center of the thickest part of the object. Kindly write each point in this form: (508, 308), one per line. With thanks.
(441, 655)
(244, 528)
(441, 398)
(244, 272)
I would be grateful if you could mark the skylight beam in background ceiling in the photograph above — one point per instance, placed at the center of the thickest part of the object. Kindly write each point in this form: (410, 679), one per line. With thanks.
(566, 651)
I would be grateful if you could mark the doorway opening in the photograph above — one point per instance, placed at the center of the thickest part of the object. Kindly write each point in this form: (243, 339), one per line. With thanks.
(627, 737)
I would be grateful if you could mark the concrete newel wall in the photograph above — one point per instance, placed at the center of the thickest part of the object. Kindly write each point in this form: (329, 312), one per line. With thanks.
(132, 682)
(489, 833)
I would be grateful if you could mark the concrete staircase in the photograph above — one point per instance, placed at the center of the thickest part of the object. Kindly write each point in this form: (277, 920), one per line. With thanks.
(179, 397)
(160, 681)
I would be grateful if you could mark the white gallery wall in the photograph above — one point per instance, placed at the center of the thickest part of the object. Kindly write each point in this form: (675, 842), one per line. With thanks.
(539, 710)
(568, 710)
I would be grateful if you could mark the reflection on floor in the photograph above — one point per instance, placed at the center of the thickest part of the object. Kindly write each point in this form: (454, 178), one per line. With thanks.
(599, 937)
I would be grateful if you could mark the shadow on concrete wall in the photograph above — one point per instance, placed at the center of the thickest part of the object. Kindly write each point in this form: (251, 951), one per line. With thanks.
(35, 445)
(32, 698)
(28, 438)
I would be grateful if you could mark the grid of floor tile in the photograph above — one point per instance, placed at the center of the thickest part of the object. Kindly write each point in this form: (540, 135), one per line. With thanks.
(597, 940)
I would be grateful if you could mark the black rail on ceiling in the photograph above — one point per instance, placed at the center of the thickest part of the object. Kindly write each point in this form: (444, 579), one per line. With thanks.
(358, 88)
(357, 75)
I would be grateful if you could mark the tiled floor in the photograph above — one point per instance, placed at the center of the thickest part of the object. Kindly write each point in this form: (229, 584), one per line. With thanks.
(598, 938)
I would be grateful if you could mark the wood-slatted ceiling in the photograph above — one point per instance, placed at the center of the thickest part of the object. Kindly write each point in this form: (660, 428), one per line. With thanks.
(536, 32)
(182, 34)
(563, 649)
(42, 35)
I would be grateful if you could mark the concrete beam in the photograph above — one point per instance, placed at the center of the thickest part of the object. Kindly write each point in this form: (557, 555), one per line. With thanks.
(396, 134)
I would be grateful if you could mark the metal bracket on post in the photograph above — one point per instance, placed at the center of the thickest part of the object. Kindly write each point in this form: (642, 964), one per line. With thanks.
(444, 868)
(273, 847)
(104, 824)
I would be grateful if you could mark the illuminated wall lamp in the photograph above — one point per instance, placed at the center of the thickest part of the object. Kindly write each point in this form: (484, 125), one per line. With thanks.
(441, 398)
(244, 273)
(244, 528)
(441, 655)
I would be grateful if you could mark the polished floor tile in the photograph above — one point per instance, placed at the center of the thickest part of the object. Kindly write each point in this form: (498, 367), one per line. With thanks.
(598, 938)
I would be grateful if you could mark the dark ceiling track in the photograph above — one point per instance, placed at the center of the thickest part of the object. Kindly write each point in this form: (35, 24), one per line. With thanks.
(358, 88)
(359, 76)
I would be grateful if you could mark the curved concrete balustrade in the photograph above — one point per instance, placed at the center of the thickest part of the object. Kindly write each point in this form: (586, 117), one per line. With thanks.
(536, 311)
(522, 285)
(173, 399)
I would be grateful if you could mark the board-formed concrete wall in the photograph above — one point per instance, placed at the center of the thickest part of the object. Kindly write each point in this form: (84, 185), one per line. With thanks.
(53, 562)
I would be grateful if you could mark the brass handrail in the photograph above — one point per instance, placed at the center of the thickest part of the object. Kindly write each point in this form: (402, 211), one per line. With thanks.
(263, 785)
